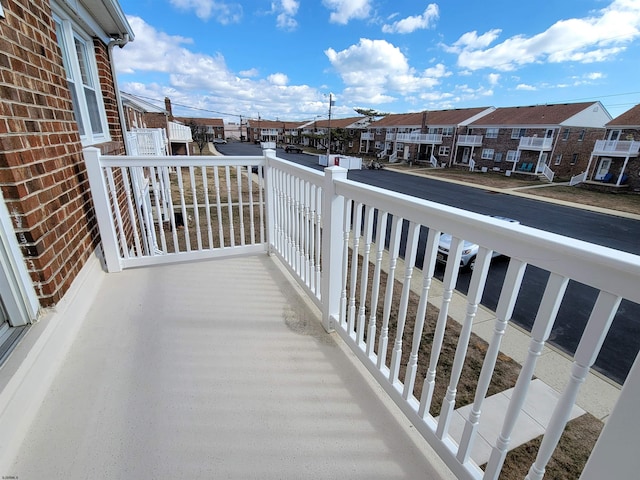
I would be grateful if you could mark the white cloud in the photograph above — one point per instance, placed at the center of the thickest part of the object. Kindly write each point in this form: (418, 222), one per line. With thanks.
(493, 78)
(413, 23)
(524, 86)
(224, 13)
(205, 81)
(345, 10)
(375, 70)
(286, 10)
(278, 79)
(585, 40)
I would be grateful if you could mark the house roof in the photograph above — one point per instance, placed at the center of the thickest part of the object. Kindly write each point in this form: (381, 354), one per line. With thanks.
(139, 104)
(399, 120)
(210, 122)
(353, 122)
(454, 116)
(629, 119)
(108, 15)
(554, 114)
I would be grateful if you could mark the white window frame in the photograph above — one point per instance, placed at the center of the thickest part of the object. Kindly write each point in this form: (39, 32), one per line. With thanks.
(444, 150)
(513, 155)
(518, 133)
(72, 33)
(487, 154)
(558, 160)
(447, 131)
(492, 132)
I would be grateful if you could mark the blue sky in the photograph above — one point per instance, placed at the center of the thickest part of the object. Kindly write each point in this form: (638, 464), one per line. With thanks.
(281, 59)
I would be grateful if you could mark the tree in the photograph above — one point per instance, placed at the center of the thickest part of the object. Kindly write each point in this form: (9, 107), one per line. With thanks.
(370, 113)
(198, 134)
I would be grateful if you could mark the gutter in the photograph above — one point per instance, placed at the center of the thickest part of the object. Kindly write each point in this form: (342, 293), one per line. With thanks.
(121, 42)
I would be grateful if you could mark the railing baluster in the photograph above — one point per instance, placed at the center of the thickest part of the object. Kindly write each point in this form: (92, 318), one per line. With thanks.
(183, 209)
(318, 241)
(196, 209)
(207, 205)
(156, 176)
(448, 284)
(394, 247)
(296, 226)
(116, 207)
(312, 238)
(588, 349)
(306, 233)
(409, 262)
(346, 230)
(549, 306)
(240, 204)
(216, 182)
(126, 181)
(171, 213)
(357, 220)
(474, 295)
(428, 268)
(250, 191)
(232, 233)
(261, 202)
(504, 310)
(375, 282)
(362, 311)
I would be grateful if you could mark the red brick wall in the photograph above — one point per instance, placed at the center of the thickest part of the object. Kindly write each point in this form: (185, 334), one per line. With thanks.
(42, 172)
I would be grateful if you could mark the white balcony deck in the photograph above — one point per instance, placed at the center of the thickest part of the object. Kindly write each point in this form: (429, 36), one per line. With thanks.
(214, 369)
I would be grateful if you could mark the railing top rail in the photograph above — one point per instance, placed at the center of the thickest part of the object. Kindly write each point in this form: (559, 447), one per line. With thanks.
(601, 267)
(172, 160)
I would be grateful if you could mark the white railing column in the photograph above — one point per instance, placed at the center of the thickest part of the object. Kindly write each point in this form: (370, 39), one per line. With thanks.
(332, 214)
(101, 204)
(270, 197)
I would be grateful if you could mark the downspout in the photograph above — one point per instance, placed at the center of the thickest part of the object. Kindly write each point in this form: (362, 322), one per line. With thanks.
(121, 42)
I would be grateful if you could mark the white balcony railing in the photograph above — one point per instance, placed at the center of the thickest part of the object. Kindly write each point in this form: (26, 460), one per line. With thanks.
(535, 143)
(619, 148)
(327, 230)
(470, 140)
(179, 133)
(578, 179)
(367, 136)
(548, 173)
(147, 141)
(389, 137)
(431, 138)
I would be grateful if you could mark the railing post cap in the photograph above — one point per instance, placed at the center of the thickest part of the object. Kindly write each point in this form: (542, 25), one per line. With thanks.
(336, 171)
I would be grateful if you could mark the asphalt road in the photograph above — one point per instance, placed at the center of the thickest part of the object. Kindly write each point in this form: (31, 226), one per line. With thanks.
(623, 341)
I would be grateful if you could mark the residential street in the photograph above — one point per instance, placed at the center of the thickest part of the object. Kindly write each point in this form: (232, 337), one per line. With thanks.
(623, 341)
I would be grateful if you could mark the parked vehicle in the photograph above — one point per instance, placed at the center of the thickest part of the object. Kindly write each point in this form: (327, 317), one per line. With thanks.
(219, 140)
(469, 249)
(293, 149)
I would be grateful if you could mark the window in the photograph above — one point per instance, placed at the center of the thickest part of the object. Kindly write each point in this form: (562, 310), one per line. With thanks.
(487, 153)
(614, 135)
(581, 136)
(492, 132)
(558, 159)
(498, 157)
(513, 155)
(350, 143)
(82, 79)
(518, 132)
(574, 159)
(444, 150)
(565, 134)
(447, 131)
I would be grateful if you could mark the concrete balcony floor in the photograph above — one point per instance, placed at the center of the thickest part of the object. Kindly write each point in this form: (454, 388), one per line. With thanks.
(215, 369)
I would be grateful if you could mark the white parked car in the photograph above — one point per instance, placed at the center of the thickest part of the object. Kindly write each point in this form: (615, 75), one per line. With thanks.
(469, 249)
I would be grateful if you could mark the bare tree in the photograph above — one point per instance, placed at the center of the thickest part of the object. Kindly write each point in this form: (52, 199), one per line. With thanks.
(199, 134)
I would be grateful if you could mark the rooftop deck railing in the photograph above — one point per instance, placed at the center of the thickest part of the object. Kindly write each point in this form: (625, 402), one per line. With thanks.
(344, 242)
(535, 143)
(433, 138)
(620, 148)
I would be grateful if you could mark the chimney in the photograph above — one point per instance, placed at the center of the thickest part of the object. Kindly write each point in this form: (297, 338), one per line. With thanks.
(167, 107)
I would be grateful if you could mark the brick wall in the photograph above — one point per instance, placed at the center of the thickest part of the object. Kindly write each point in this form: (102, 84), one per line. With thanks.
(42, 172)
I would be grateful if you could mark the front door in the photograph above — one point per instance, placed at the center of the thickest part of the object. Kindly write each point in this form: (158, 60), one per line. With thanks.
(466, 153)
(603, 168)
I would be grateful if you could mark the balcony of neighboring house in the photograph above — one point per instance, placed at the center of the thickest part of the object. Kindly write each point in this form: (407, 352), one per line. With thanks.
(147, 141)
(390, 137)
(469, 140)
(367, 136)
(179, 133)
(539, 144)
(617, 148)
(261, 319)
(421, 138)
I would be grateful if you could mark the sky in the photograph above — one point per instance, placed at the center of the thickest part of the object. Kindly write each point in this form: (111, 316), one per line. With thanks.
(284, 59)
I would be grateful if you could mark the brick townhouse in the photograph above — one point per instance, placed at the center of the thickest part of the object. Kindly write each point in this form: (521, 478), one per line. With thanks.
(525, 139)
(615, 160)
(58, 95)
